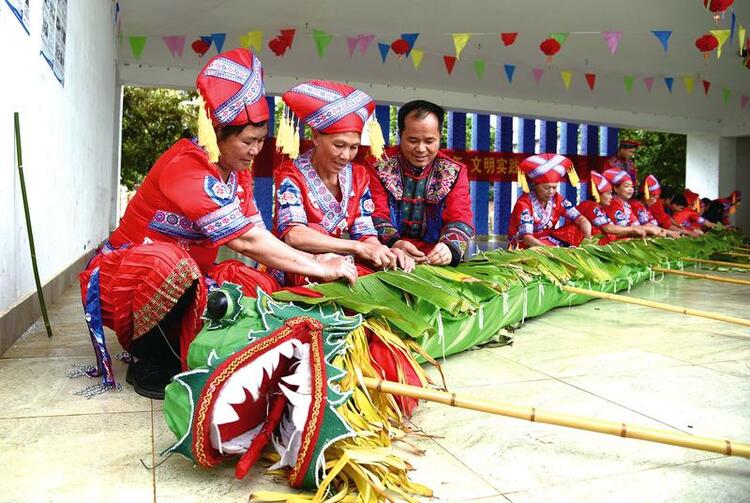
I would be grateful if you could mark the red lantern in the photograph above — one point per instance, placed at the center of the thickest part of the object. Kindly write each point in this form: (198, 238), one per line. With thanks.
(550, 47)
(400, 46)
(200, 47)
(706, 43)
(747, 63)
(718, 7)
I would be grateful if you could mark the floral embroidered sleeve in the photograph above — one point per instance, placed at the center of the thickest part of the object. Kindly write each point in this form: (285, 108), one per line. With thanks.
(212, 206)
(457, 230)
(363, 226)
(381, 214)
(290, 210)
(571, 213)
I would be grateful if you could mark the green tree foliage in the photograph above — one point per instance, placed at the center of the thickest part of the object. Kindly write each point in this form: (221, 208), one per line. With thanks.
(152, 120)
(660, 154)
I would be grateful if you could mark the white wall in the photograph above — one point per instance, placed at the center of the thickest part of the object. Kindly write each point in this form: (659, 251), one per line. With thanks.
(702, 164)
(68, 144)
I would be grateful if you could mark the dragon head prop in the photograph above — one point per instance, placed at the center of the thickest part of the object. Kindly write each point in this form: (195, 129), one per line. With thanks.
(280, 388)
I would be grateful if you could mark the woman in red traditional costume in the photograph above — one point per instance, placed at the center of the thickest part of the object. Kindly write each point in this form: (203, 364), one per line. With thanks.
(537, 212)
(149, 281)
(650, 192)
(687, 212)
(601, 191)
(619, 209)
(323, 201)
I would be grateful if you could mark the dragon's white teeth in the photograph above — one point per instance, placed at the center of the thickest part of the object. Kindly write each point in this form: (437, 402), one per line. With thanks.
(299, 379)
(287, 349)
(302, 352)
(232, 392)
(296, 399)
(224, 413)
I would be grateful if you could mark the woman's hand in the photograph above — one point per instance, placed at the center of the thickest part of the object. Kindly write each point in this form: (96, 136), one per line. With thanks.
(339, 268)
(376, 254)
(411, 250)
(439, 255)
(405, 261)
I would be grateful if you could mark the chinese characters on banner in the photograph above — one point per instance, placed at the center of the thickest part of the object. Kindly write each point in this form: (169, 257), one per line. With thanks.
(54, 25)
(20, 9)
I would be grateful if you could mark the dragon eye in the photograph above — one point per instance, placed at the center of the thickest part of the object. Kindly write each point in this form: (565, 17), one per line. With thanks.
(219, 304)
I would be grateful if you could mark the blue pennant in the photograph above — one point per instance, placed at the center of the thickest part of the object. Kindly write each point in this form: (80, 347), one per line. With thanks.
(411, 38)
(384, 48)
(669, 81)
(509, 71)
(218, 39)
(663, 36)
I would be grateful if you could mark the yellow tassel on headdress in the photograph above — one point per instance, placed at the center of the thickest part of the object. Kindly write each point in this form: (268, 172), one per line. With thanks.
(595, 191)
(206, 133)
(573, 176)
(377, 142)
(294, 143)
(522, 181)
(646, 192)
(284, 133)
(697, 204)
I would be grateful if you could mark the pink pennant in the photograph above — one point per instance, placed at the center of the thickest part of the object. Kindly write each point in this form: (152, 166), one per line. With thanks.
(649, 82)
(364, 42)
(538, 72)
(744, 99)
(351, 44)
(175, 44)
(612, 38)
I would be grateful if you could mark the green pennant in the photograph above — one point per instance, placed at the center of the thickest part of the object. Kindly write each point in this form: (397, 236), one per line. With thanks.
(479, 65)
(561, 37)
(322, 39)
(136, 45)
(629, 79)
(726, 93)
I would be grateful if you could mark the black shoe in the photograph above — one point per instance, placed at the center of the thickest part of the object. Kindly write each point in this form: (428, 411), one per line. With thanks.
(149, 376)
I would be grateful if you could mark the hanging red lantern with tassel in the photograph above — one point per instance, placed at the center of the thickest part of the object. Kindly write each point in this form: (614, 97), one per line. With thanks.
(400, 46)
(550, 47)
(200, 47)
(718, 7)
(706, 43)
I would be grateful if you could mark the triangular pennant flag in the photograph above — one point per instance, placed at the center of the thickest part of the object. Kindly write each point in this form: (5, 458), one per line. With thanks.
(591, 80)
(722, 36)
(364, 42)
(175, 44)
(459, 42)
(137, 43)
(416, 57)
(741, 36)
(351, 44)
(663, 36)
(649, 83)
(322, 39)
(254, 40)
(629, 79)
(450, 62)
(537, 73)
(479, 65)
(612, 38)
(208, 39)
(561, 37)
(509, 38)
(706, 86)
(567, 78)
(689, 83)
(732, 28)
(669, 82)
(726, 93)
(510, 70)
(411, 39)
(218, 39)
(744, 99)
(383, 48)
(288, 35)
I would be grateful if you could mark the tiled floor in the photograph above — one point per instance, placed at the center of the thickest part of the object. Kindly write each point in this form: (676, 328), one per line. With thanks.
(604, 360)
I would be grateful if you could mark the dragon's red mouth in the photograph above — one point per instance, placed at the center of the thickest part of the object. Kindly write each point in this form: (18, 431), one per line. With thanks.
(243, 402)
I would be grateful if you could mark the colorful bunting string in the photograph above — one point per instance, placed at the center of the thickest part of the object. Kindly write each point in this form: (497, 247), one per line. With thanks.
(218, 40)
(322, 39)
(175, 44)
(567, 78)
(384, 48)
(663, 36)
(365, 40)
(537, 73)
(479, 65)
(351, 45)
(509, 38)
(612, 38)
(629, 80)
(416, 57)
(252, 40)
(689, 83)
(669, 82)
(722, 36)
(459, 42)
(137, 44)
(450, 62)
(561, 37)
(591, 80)
(649, 83)
(510, 70)
(706, 86)
(411, 39)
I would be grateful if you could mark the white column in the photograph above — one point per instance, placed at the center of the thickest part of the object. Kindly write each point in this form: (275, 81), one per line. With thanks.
(702, 164)
(742, 182)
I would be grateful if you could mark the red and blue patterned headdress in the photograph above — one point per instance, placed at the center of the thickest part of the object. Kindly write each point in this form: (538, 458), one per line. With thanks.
(330, 107)
(231, 85)
(651, 187)
(616, 176)
(546, 168)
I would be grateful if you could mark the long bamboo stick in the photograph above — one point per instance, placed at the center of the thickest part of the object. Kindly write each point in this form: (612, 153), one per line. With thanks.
(19, 159)
(657, 305)
(716, 262)
(711, 277)
(735, 254)
(533, 414)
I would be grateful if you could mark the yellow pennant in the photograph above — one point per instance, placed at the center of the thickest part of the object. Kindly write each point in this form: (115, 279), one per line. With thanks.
(252, 40)
(459, 41)
(689, 83)
(722, 36)
(741, 36)
(416, 57)
(567, 78)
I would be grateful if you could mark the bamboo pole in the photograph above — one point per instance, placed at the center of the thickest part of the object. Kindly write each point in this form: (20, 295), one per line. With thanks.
(716, 262)
(711, 277)
(735, 254)
(656, 305)
(533, 414)
(19, 158)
